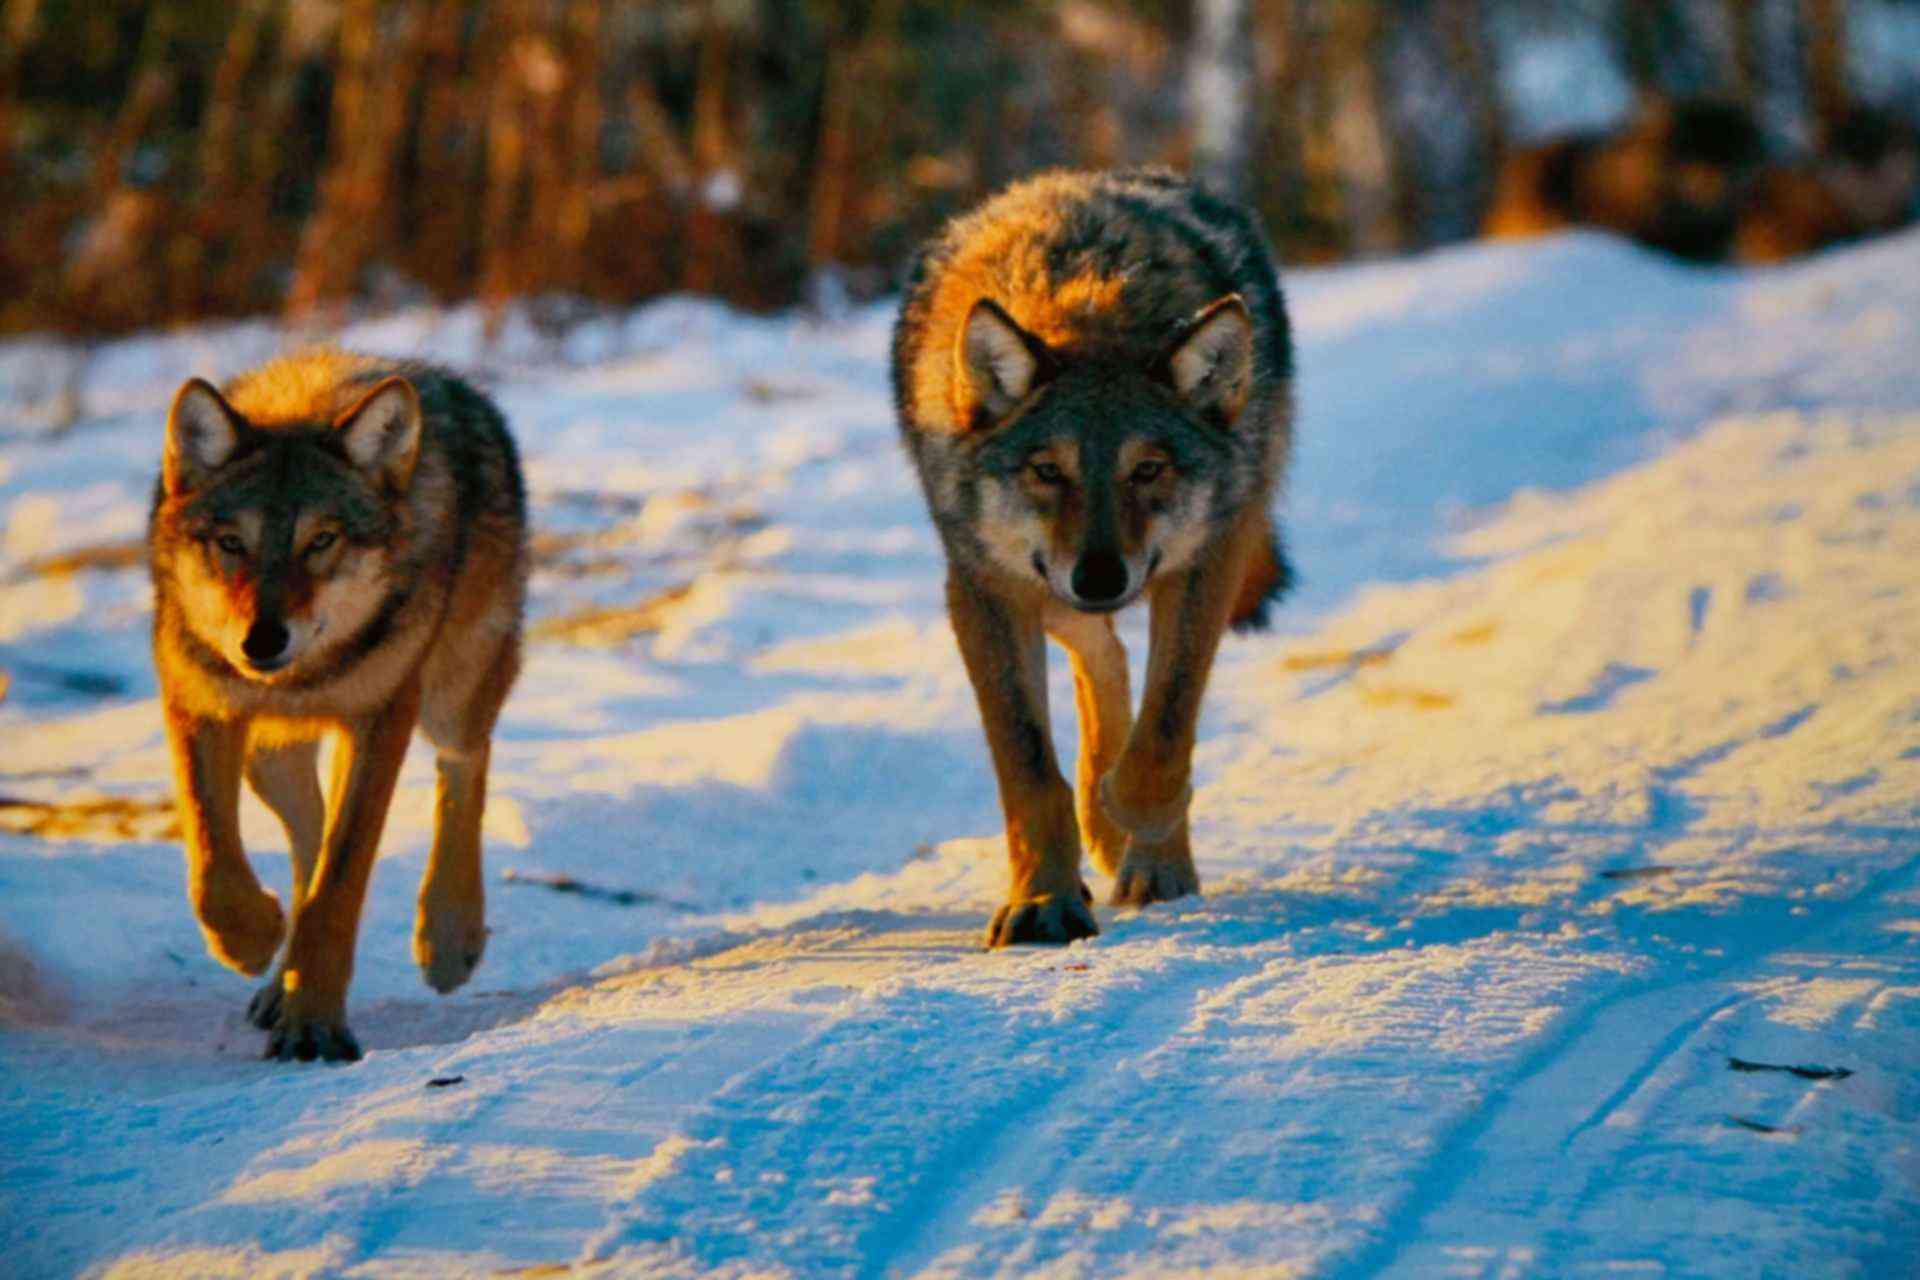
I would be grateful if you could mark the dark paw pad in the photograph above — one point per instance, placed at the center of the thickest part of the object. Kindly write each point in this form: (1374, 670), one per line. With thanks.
(1054, 920)
(1140, 883)
(306, 1041)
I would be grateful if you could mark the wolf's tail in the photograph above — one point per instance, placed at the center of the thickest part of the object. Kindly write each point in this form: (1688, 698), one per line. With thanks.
(1268, 578)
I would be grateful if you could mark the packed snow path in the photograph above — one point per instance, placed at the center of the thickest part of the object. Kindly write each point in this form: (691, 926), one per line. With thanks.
(1563, 887)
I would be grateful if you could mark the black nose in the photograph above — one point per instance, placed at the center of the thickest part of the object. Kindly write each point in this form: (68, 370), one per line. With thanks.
(265, 641)
(1099, 577)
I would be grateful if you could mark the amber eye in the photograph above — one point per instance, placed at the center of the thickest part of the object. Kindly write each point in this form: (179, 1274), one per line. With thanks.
(321, 541)
(231, 544)
(1049, 473)
(1148, 471)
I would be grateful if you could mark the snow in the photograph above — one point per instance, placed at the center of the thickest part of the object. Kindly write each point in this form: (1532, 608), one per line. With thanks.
(1583, 764)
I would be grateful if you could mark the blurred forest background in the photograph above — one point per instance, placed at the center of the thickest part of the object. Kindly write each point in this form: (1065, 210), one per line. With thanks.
(178, 159)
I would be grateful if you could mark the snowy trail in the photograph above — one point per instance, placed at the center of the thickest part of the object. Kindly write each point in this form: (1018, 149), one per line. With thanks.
(1586, 766)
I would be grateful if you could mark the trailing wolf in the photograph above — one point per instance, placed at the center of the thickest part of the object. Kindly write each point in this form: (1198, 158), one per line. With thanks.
(1093, 379)
(338, 547)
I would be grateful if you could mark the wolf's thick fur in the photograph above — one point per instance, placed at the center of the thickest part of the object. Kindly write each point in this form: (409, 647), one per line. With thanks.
(1093, 377)
(338, 545)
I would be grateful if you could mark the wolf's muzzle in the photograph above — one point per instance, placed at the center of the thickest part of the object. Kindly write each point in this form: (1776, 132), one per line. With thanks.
(266, 643)
(1100, 577)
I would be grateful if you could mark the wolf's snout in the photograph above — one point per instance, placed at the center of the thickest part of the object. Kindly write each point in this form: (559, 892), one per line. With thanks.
(266, 641)
(1100, 576)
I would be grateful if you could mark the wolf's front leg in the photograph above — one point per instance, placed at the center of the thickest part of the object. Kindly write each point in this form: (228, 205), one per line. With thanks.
(242, 922)
(312, 1020)
(1149, 790)
(285, 778)
(450, 929)
(461, 696)
(1005, 653)
(1105, 710)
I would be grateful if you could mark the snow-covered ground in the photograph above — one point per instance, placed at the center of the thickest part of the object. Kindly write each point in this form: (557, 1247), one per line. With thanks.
(1563, 881)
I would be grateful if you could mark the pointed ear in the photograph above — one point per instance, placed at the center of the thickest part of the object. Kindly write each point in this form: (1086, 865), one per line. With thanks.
(1211, 362)
(999, 363)
(203, 432)
(382, 432)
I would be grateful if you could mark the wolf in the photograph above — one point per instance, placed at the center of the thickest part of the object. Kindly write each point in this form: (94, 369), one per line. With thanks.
(338, 548)
(1093, 379)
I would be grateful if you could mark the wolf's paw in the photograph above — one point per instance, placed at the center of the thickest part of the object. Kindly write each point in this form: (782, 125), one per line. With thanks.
(447, 945)
(1144, 880)
(1055, 919)
(296, 1034)
(264, 1009)
(243, 930)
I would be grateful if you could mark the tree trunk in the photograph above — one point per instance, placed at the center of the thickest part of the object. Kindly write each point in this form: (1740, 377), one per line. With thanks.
(587, 25)
(1360, 134)
(1470, 50)
(1325, 228)
(715, 170)
(1743, 39)
(502, 207)
(1826, 45)
(16, 29)
(833, 156)
(1220, 95)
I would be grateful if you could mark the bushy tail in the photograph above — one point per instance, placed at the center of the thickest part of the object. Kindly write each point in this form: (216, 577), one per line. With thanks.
(1268, 578)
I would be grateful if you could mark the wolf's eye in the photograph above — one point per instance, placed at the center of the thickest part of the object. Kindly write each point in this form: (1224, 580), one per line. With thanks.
(231, 544)
(321, 541)
(1049, 473)
(1148, 471)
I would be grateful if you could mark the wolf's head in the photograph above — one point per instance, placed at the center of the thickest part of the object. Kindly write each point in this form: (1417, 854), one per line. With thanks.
(1093, 473)
(277, 543)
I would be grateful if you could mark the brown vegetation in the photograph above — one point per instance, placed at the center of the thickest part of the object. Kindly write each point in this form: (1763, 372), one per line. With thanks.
(163, 160)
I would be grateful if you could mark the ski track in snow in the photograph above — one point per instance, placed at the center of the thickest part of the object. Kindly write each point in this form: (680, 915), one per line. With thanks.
(1584, 763)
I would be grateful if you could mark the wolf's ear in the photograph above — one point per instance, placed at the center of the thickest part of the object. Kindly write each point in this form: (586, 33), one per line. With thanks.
(203, 432)
(998, 360)
(1211, 360)
(382, 432)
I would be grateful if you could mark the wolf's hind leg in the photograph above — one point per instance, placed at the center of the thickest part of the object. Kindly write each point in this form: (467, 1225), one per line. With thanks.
(286, 777)
(1104, 705)
(450, 926)
(242, 922)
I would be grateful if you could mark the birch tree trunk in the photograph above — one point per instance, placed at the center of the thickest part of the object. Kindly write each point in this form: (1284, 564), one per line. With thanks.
(1220, 77)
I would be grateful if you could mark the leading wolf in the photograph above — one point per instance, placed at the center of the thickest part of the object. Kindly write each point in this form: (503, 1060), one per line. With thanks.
(1093, 378)
(338, 546)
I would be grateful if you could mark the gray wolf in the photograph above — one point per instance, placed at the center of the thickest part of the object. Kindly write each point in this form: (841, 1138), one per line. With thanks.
(1093, 379)
(338, 547)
